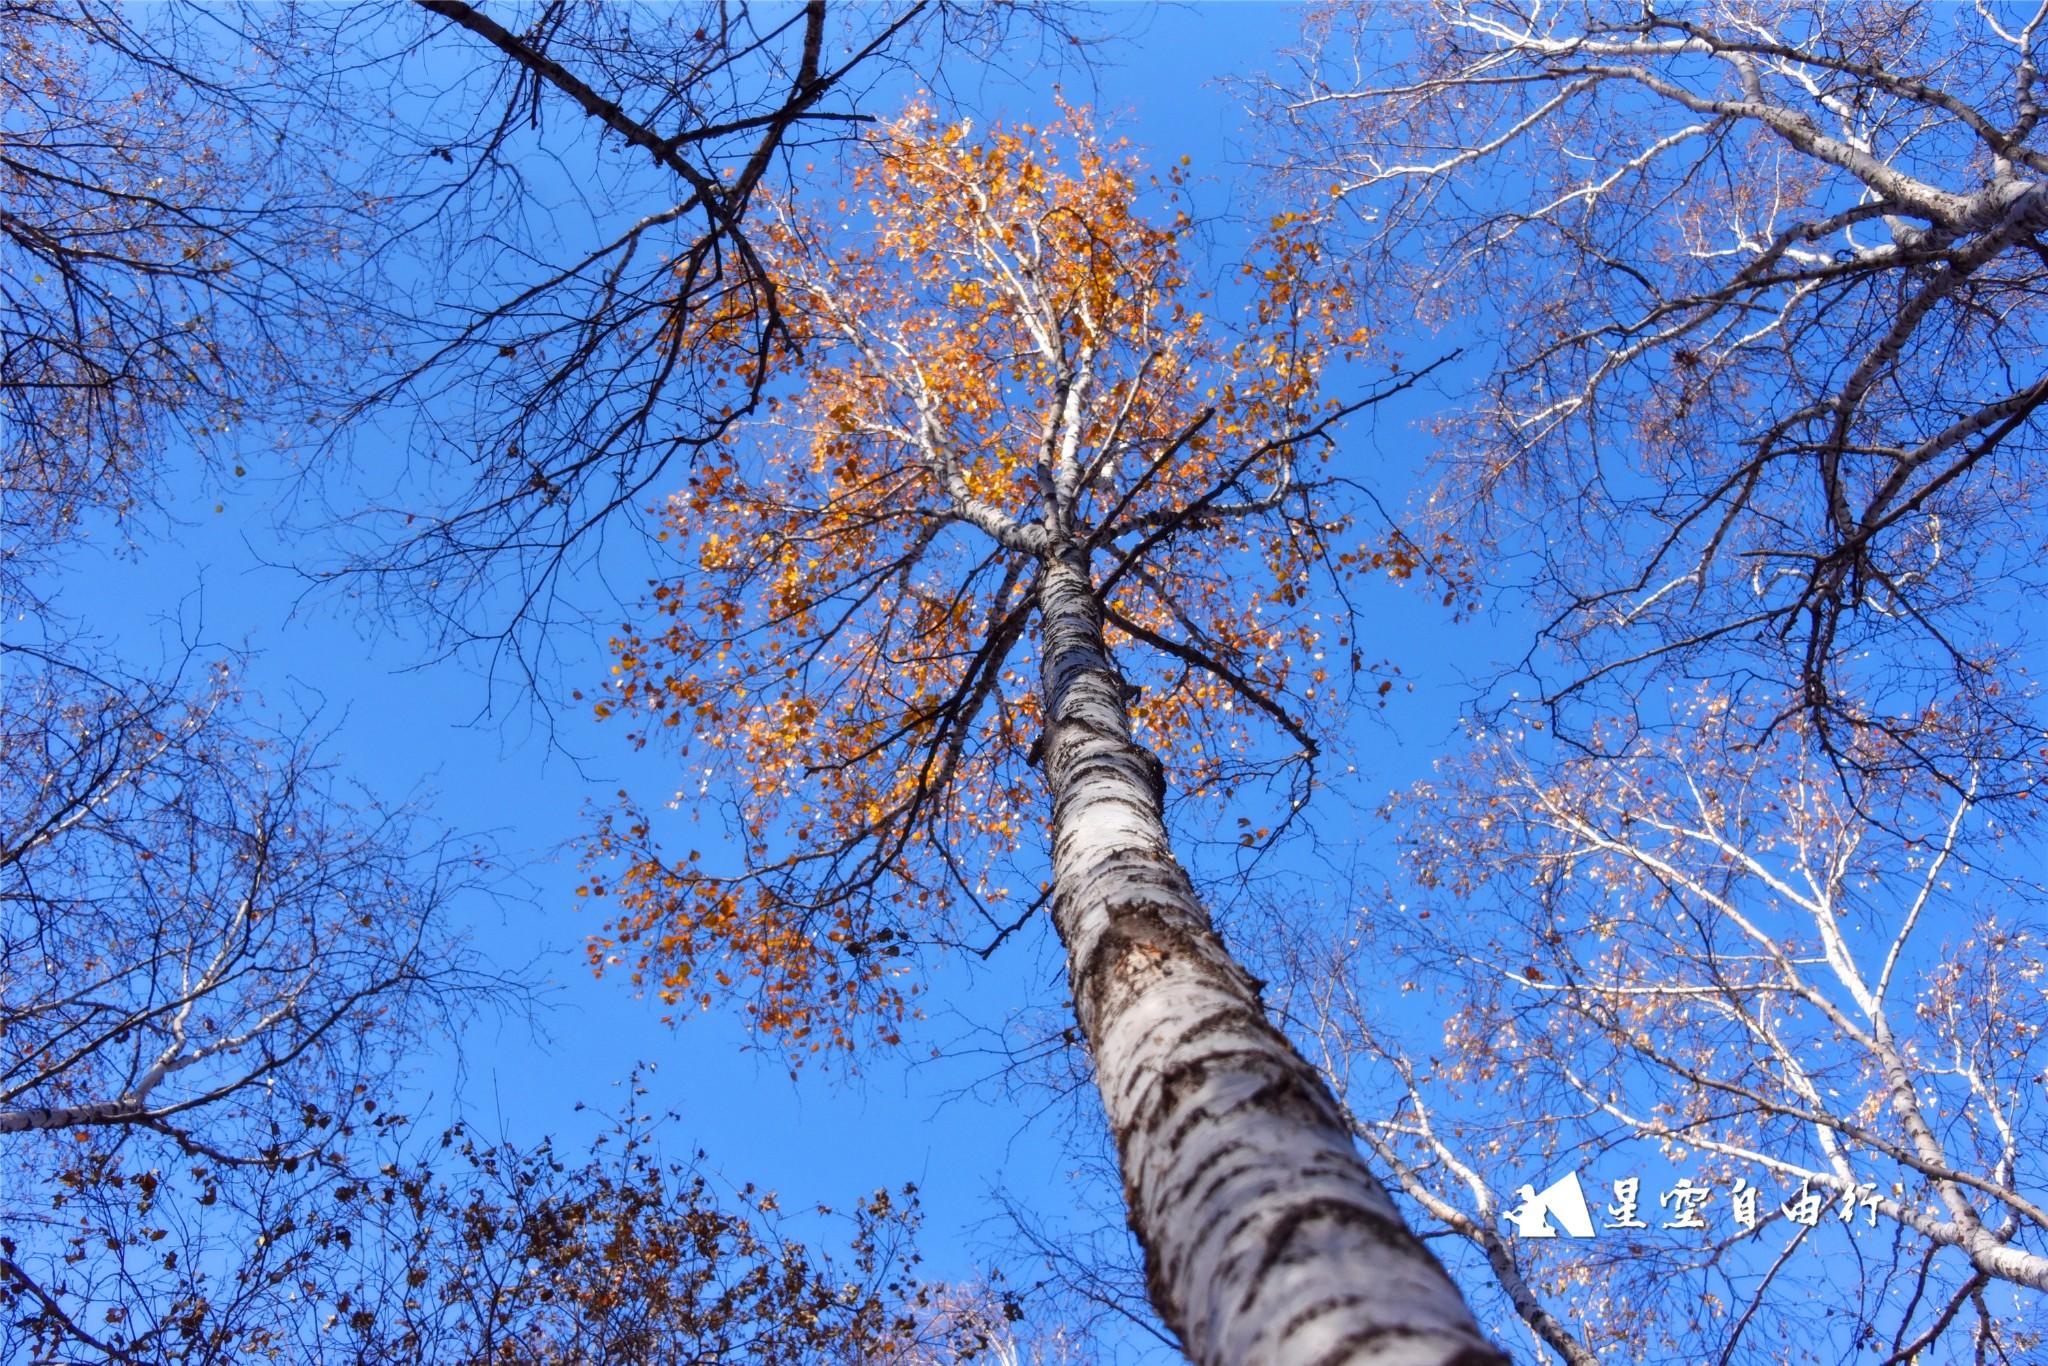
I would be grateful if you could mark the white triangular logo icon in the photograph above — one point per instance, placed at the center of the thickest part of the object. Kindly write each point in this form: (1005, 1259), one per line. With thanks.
(1564, 1198)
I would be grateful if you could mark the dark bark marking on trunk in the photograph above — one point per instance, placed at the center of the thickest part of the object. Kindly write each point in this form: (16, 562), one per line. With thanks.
(1104, 964)
(1285, 1234)
(1352, 1346)
(1195, 1187)
(1215, 1022)
(1282, 1091)
(1310, 1313)
(1141, 928)
(1292, 1091)
(1190, 1075)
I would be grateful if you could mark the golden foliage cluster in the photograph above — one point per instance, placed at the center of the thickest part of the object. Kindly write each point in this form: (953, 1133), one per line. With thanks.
(1000, 337)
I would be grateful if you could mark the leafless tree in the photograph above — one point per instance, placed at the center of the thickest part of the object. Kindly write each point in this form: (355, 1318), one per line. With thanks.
(212, 969)
(1699, 954)
(1760, 284)
(493, 233)
(596, 311)
(214, 960)
(167, 211)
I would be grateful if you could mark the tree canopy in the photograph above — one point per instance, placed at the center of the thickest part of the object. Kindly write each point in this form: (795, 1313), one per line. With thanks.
(1001, 345)
(1758, 284)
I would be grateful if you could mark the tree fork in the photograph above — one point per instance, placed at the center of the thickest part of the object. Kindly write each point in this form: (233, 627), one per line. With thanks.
(1267, 1241)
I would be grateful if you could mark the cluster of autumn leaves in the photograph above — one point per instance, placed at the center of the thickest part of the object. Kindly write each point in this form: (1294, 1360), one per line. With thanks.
(841, 655)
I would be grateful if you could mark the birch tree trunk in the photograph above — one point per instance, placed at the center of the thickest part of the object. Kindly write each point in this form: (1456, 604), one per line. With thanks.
(1266, 1239)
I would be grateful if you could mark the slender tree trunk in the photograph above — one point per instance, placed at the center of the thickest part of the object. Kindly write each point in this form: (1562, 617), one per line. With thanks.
(1267, 1242)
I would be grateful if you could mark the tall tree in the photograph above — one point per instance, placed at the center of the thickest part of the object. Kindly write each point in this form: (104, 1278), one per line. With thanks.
(212, 961)
(1014, 409)
(1757, 285)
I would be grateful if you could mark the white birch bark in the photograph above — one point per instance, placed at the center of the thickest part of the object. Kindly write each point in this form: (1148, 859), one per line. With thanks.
(1267, 1240)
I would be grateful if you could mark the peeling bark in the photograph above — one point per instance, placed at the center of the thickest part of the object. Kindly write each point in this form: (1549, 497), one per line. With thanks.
(1266, 1239)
